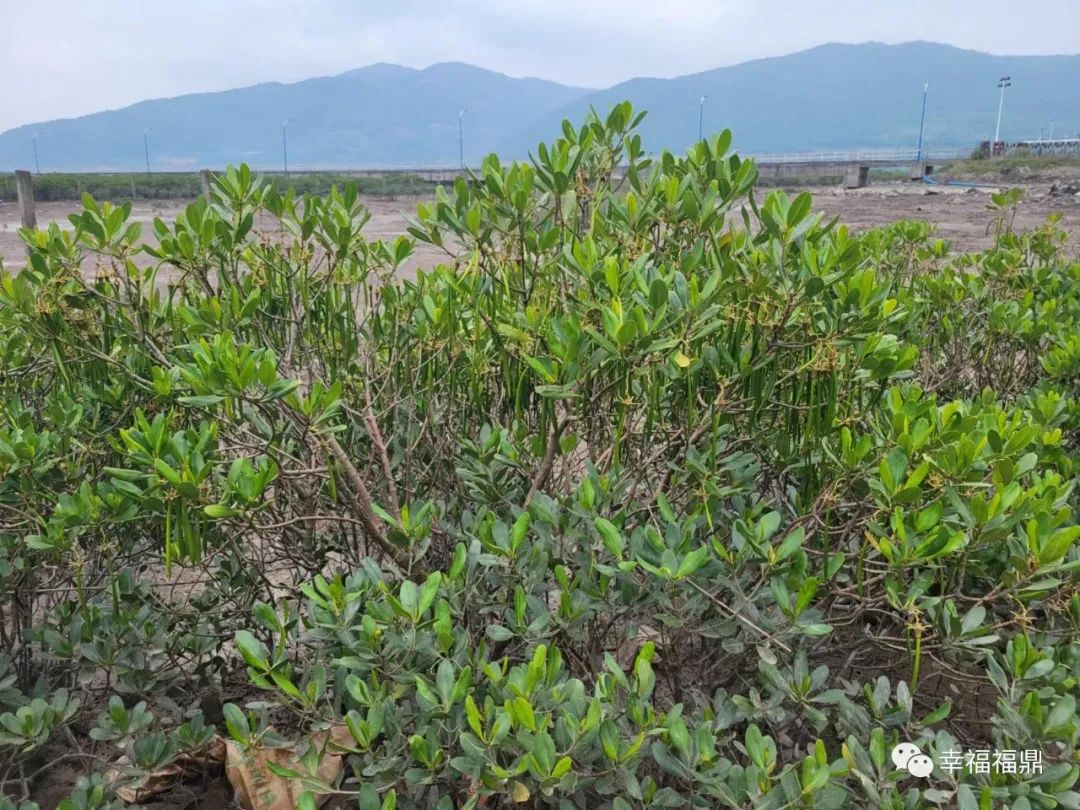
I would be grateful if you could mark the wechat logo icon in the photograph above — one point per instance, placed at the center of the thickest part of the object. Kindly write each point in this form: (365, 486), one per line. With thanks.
(907, 757)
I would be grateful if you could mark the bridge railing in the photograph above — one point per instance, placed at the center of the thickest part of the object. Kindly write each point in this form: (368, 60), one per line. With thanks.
(868, 155)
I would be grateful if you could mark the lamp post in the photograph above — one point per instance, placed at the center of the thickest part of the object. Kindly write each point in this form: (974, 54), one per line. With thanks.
(461, 138)
(285, 144)
(701, 118)
(1003, 82)
(146, 147)
(37, 165)
(922, 120)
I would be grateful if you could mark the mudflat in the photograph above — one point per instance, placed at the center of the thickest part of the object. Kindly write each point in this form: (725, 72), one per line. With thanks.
(959, 214)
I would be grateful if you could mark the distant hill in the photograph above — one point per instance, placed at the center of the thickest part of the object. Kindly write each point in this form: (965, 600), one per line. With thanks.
(376, 116)
(844, 97)
(829, 97)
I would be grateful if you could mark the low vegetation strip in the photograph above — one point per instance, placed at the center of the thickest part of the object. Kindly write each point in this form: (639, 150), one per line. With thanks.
(663, 493)
(121, 187)
(1015, 167)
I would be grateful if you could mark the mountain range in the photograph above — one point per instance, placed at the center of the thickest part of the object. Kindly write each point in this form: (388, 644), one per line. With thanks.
(834, 96)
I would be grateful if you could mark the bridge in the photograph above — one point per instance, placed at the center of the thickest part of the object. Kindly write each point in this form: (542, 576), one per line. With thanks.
(854, 166)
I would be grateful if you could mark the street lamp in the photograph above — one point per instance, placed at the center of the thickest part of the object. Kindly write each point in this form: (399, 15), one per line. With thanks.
(146, 146)
(701, 118)
(461, 137)
(922, 120)
(1003, 82)
(285, 144)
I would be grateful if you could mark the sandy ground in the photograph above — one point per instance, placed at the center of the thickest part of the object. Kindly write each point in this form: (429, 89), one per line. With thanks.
(960, 214)
(387, 221)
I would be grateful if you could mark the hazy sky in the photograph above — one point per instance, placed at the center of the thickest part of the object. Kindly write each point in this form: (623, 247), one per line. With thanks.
(61, 58)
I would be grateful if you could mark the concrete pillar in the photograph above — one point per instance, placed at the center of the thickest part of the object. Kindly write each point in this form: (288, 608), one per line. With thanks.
(25, 184)
(204, 175)
(920, 170)
(856, 176)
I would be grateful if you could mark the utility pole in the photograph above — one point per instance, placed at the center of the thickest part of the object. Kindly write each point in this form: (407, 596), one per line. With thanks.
(922, 120)
(285, 144)
(701, 118)
(1003, 82)
(461, 138)
(146, 146)
(37, 165)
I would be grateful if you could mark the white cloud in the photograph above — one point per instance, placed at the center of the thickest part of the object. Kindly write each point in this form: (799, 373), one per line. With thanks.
(62, 58)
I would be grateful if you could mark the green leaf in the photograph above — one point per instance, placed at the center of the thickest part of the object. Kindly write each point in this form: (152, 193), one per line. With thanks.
(204, 401)
(472, 714)
(281, 388)
(252, 650)
(444, 680)
(497, 632)
(220, 510)
(236, 722)
(658, 293)
(767, 525)
(428, 593)
(1058, 545)
(523, 713)
(666, 761)
(693, 561)
(679, 735)
(965, 798)
(167, 472)
(520, 527)
(610, 536)
(609, 740)
(791, 543)
(562, 767)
